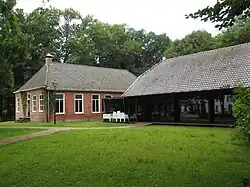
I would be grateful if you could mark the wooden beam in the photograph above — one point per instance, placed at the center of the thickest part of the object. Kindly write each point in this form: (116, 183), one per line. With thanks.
(176, 103)
(211, 107)
(136, 110)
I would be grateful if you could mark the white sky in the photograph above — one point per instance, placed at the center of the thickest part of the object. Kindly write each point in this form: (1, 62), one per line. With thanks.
(159, 16)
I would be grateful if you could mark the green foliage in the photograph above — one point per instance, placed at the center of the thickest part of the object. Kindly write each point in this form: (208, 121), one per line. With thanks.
(224, 12)
(241, 111)
(239, 33)
(146, 156)
(192, 43)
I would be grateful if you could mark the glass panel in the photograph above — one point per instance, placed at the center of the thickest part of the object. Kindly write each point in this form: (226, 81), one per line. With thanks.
(97, 105)
(59, 96)
(57, 106)
(76, 106)
(78, 96)
(93, 106)
(223, 108)
(194, 109)
(61, 106)
(80, 106)
(95, 96)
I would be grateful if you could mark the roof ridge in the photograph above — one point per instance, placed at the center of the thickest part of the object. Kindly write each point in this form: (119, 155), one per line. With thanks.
(89, 66)
(208, 51)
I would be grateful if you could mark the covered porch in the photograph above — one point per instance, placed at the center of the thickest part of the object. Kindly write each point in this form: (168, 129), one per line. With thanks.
(205, 107)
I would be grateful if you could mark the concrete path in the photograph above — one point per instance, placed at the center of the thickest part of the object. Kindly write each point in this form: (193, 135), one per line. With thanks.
(46, 131)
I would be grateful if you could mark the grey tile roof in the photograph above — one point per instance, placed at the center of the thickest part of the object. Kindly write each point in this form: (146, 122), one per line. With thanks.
(209, 70)
(81, 77)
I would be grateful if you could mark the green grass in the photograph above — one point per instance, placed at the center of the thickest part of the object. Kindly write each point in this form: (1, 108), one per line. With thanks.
(146, 156)
(64, 124)
(5, 133)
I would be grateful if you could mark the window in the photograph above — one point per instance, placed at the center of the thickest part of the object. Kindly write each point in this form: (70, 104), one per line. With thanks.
(18, 104)
(96, 103)
(60, 104)
(34, 103)
(216, 108)
(79, 104)
(28, 96)
(41, 104)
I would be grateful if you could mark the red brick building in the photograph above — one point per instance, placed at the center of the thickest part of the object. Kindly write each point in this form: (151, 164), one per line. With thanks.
(74, 92)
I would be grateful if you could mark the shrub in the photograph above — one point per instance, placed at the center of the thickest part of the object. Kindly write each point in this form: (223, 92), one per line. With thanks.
(241, 112)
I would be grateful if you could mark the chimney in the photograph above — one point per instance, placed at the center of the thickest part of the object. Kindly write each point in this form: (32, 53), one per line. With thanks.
(48, 59)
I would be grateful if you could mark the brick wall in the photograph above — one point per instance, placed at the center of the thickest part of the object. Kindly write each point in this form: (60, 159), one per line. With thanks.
(35, 115)
(69, 113)
(88, 114)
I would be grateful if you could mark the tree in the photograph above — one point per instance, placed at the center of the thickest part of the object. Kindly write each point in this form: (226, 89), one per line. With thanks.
(237, 34)
(224, 12)
(241, 111)
(9, 34)
(192, 43)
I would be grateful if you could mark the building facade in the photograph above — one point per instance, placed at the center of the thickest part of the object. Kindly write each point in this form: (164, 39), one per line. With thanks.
(69, 92)
(192, 88)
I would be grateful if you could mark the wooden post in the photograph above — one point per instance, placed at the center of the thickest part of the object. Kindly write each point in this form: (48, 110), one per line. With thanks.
(124, 107)
(136, 115)
(176, 103)
(211, 107)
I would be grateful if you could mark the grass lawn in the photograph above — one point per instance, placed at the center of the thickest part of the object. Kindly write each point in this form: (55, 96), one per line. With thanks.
(145, 156)
(5, 133)
(64, 124)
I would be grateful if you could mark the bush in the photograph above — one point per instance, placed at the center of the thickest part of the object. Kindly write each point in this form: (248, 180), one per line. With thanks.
(241, 112)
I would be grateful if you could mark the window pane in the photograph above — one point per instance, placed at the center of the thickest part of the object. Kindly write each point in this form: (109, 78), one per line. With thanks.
(61, 106)
(93, 106)
(59, 96)
(57, 106)
(97, 105)
(78, 96)
(95, 96)
(41, 97)
(80, 106)
(76, 106)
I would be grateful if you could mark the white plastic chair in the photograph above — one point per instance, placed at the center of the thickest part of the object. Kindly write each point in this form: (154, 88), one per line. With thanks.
(122, 117)
(107, 117)
(118, 116)
(114, 116)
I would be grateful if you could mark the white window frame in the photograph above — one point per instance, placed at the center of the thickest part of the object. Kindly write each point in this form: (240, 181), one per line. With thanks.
(99, 97)
(33, 103)
(78, 100)
(18, 104)
(39, 104)
(61, 113)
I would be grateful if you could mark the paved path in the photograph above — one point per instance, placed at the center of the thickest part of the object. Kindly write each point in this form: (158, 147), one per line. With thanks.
(46, 131)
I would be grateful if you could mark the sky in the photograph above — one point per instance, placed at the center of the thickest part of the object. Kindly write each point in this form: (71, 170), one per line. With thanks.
(159, 16)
